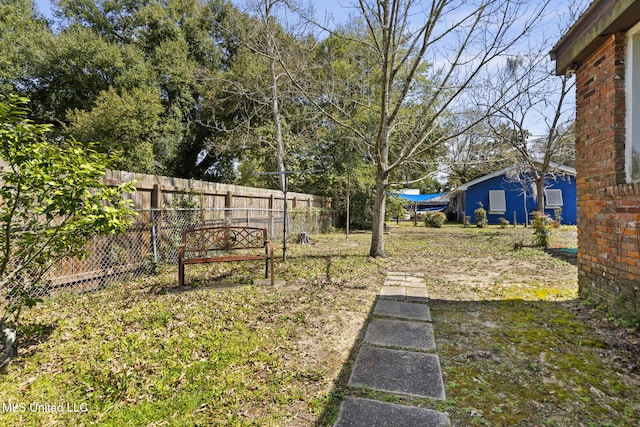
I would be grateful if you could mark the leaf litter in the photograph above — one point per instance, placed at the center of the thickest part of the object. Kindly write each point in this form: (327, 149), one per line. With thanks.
(517, 347)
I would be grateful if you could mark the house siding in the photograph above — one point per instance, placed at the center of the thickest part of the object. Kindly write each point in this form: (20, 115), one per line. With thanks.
(608, 208)
(515, 203)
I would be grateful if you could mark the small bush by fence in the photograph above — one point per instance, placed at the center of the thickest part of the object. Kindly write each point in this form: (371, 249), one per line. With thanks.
(154, 239)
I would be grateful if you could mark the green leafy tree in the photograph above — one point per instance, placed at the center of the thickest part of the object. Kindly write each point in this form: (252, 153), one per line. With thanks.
(257, 109)
(396, 206)
(104, 52)
(24, 38)
(77, 67)
(51, 203)
(127, 123)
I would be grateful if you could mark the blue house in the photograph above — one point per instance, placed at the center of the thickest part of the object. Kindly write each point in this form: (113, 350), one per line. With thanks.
(511, 194)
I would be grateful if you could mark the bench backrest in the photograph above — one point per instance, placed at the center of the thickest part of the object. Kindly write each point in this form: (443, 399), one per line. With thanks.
(223, 238)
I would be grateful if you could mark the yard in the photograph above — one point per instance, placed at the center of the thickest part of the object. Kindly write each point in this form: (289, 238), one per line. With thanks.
(516, 347)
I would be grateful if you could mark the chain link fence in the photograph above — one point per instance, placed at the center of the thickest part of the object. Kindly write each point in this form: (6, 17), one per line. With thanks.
(154, 238)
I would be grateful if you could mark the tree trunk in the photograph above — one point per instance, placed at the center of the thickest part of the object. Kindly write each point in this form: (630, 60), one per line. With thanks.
(377, 235)
(303, 239)
(540, 191)
(277, 123)
(9, 352)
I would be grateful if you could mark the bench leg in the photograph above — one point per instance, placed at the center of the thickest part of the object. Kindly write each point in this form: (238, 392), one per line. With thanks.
(180, 274)
(269, 263)
(270, 260)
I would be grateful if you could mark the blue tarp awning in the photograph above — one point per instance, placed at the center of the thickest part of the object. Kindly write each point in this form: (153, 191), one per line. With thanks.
(417, 198)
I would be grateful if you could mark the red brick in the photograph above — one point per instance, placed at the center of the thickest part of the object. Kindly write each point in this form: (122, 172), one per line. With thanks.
(608, 256)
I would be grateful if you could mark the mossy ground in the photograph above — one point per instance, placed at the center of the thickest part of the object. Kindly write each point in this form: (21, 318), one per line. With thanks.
(515, 345)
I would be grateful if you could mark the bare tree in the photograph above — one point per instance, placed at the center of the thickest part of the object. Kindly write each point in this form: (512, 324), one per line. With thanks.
(476, 153)
(534, 93)
(260, 37)
(254, 91)
(537, 116)
(428, 55)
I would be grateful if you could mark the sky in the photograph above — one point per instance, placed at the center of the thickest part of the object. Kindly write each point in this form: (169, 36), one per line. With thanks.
(341, 9)
(337, 8)
(44, 7)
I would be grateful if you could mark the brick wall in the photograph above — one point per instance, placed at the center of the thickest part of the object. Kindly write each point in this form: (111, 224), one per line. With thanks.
(608, 208)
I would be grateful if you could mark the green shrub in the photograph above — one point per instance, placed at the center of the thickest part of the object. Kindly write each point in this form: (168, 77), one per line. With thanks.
(53, 202)
(542, 228)
(481, 216)
(503, 222)
(361, 213)
(434, 219)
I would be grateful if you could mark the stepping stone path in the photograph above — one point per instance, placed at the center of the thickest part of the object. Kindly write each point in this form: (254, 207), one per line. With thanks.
(397, 357)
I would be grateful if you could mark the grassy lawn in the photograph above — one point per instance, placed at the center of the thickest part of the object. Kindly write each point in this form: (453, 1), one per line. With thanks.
(516, 347)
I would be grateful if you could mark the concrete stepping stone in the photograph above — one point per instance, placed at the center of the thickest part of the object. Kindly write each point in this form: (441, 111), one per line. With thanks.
(394, 283)
(398, 371)
(417, 294)
(393, 292)
(404, 274)
(396, 274)
(403, 283)
(402, 310)
(371, 413)
(394, 279)
(401, 333)
(415, 285)
(402, 293)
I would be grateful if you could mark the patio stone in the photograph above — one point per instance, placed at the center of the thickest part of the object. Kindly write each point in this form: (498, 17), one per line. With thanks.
(396, 273)
(402, 310)
(420, 293)
(401, 333)
(398, 371)
(394, 292)
(404, 274)
(394, 283)
(411, 284)
(371, 413)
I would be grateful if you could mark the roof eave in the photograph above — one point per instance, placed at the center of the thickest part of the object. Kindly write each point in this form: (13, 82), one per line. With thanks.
(553, 167)
(602, 18)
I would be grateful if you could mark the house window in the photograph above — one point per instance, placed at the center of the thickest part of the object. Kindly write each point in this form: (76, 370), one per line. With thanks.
(554, 198)
(632, 153)
(497, 202)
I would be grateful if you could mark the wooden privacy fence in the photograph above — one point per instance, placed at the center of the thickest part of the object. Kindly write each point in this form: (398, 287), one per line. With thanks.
(166, 206)
(158, 192)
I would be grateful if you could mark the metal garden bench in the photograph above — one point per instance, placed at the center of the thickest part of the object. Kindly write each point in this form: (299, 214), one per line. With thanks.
(223, 244)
